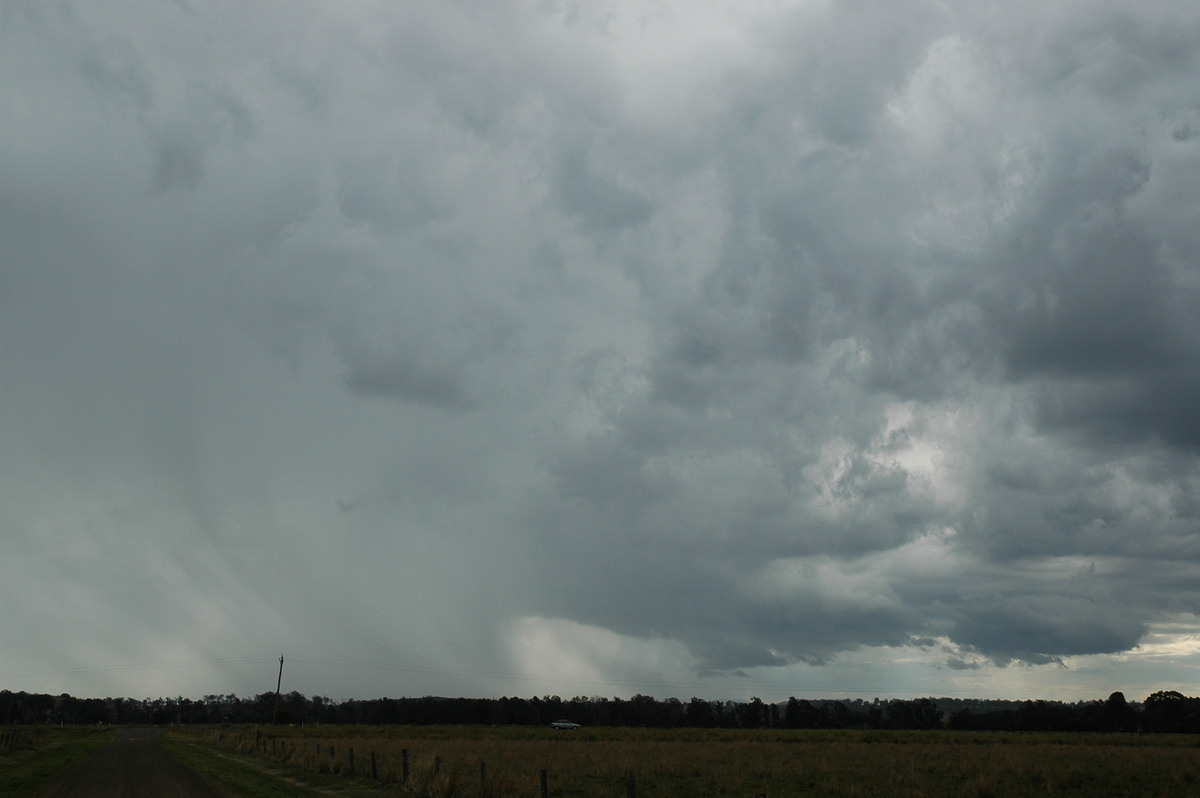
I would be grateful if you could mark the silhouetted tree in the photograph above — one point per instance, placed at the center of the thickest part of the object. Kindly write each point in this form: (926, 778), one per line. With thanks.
(919, 713)
(1171, 711)
(1117, 715)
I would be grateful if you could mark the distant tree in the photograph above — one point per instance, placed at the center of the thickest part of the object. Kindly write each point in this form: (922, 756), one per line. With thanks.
(1049, 716)
(1171, 711)
(961, 720)
(919, 713)
(8, 706)
(552, 708)
(753, 715)
(644, 710)
(38, 708)
(672, 714)
(802, 714)
(700, 714)
(1117, 715)
(264, 707)
(601, 711)
(791, 713)
(838, 715)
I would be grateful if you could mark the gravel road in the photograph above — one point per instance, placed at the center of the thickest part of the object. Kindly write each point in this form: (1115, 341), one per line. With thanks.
(132, 766)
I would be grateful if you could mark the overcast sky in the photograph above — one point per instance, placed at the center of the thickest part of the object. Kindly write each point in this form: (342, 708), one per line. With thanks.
(598, 348)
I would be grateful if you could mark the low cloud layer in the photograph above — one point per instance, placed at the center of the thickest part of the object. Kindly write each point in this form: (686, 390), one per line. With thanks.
(442, 342)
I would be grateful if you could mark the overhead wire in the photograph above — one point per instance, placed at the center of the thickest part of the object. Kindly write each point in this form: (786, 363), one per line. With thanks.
(131, 667)
(687, 682)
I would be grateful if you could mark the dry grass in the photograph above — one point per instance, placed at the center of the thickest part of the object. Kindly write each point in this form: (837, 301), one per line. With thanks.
(505, 762)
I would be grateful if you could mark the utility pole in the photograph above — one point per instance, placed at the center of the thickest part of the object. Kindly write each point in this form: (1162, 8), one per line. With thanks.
(278, 683)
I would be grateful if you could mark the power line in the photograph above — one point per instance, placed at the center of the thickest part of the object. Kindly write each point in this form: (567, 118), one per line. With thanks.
(129, 667)
(686, 682)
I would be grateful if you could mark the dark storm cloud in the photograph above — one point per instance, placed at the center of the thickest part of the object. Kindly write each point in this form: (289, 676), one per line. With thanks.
(1041, 629)
(1070, 306)
(770, 337)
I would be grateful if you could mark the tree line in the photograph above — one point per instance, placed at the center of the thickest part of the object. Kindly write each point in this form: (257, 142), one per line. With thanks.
(1163, 711)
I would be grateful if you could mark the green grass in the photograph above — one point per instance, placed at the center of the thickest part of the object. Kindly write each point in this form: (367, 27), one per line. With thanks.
(27, 771)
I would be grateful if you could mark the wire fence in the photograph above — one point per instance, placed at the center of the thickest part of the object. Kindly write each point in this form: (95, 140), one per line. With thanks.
(422, 773)
(13, 740)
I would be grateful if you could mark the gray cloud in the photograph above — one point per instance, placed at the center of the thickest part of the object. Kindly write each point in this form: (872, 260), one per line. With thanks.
(759, 343)
(1043, 629)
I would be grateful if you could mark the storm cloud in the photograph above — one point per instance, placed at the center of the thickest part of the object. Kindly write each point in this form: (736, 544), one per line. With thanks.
(532, 347)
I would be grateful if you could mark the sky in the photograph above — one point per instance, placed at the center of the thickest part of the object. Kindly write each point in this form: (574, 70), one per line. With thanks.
(536, 347)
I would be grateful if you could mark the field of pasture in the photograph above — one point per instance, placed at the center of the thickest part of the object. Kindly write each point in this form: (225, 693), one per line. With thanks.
(515, 762)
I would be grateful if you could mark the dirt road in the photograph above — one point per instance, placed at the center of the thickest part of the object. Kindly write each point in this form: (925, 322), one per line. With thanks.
(132, 766)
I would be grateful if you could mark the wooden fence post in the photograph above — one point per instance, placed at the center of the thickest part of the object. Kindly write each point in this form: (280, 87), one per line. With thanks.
(631, 788)
(542, 781)
(404, 767)
(350, 760)
(374, 771)
(437, 765)
(482, 778)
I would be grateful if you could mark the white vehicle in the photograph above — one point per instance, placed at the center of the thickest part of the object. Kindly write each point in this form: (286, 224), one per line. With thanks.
(564, 724)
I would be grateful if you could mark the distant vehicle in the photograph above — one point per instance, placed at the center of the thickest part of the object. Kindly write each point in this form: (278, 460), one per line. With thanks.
(564, 724)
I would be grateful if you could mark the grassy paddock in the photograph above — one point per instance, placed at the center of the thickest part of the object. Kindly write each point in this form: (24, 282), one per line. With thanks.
(245, 776)
(504, 762)
(43, 754)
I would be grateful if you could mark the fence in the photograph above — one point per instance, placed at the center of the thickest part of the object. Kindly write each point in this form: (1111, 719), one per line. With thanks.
(425, 775)
(419, 773)
(12, 740)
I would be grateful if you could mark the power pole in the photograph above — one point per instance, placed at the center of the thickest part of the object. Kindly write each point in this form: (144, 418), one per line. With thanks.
(278, 683)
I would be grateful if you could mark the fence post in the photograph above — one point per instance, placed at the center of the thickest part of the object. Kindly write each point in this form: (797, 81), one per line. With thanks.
(437, 765)
(631, 788)
(482, 778)
(542, 781)
(350, 760)
(374, 771)
(404, 767)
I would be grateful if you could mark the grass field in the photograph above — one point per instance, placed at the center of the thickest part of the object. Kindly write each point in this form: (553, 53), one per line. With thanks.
(505, 762)
(44, 753)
